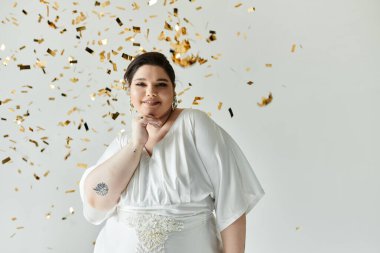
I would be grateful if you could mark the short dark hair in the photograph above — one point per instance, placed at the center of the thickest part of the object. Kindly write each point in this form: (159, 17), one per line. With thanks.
(149, 58)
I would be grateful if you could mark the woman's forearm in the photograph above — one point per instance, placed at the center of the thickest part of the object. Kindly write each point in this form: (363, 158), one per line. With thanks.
(233, 236)
(104, 185)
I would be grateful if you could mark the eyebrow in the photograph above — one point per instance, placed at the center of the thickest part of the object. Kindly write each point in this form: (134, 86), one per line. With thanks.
(160, 79)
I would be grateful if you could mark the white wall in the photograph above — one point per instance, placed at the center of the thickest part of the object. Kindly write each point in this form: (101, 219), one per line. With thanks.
(313, 148)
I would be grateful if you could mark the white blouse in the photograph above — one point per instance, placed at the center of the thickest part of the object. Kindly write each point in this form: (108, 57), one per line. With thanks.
(196, 168)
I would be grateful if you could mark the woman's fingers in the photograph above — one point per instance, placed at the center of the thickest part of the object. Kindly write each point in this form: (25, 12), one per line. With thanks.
(148, 119)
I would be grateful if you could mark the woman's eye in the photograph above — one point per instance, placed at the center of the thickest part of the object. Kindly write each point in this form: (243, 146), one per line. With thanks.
(139, 84)
(162, 84)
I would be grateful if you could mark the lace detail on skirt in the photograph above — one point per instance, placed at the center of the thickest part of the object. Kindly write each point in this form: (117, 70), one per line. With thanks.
(152, 231)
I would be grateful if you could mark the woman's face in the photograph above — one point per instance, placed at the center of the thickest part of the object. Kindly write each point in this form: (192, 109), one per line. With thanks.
(151, 91)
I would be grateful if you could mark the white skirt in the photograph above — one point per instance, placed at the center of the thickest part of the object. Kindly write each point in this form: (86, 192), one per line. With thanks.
(147, 232)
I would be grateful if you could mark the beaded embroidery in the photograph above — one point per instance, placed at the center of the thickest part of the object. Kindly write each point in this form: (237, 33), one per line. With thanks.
(152, 231)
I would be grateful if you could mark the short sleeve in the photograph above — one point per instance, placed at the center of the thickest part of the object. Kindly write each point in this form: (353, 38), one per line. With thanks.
(236, 187)
(91, 214)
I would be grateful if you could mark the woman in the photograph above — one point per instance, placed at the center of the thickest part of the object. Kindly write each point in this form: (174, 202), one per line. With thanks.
(176, 183)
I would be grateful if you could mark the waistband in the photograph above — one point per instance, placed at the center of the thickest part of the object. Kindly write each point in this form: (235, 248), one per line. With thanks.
(148, 220)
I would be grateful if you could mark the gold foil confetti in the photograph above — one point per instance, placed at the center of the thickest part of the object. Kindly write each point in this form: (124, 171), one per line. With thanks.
(74, 80)
(22, 67)
(71, 210)
(89, 50)
(293, 48)
(268, 65)
(70, 191)
(136, 29)
(2, 47)
(238, 5)
(127, 57)
(105, 4)
(167, 26)
(46, 173)
(250, 82)
(39, 41)
(119, 22)
(135, 6)
(115, 115)
(265, 101)
(24, 11)
(230, 111)
(48, 216)
(51, 24)
(196, 99)
(212, 36)
(81, 28)
(51, 52)
(82, 165)
(199, 8)
(251, 9)
(220, 105)
(36, 176)
(4, 161)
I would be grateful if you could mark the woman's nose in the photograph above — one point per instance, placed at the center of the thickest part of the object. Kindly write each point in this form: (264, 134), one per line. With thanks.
(150, 91)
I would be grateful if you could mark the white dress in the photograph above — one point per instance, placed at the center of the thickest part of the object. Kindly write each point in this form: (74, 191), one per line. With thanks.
(196, 183)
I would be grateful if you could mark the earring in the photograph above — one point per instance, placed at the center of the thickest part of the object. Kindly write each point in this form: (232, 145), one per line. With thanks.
(174, 103)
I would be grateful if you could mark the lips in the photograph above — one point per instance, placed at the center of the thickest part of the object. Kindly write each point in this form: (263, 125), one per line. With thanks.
(151, 102)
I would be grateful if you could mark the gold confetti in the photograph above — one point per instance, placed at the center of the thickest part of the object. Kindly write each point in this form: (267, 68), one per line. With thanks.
(51, 24)
(22, 67)
(251, 9)
(89, 50)
(70, 191)
(135, 6)
(199, 8)
(46, 173)
(2, 47)
(127, 57)
(212, 37)
(105, 4)
(39, 41)
(4, 161)
(220, 105)
(265, 101)
(82, 165)
(230, 111)
(51, 52)
(119, 22)
(136, 29)
(250, 82)
(81, 28)
(268, 65)
(74, 80)
(167, 26)
(293, 48)
(36, 176)
(195, 101)
(238, 5)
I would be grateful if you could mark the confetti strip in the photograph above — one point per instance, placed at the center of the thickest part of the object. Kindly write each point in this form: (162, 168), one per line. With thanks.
(4, 161)
(89, 50)
(293, 48)
(195, 101)
(231, 113)
(265, 101)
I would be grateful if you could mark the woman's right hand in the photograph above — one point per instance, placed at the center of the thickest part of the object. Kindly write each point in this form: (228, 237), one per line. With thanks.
(139, 132)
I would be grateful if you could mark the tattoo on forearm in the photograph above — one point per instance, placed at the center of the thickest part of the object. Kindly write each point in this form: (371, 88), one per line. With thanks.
(101, 189)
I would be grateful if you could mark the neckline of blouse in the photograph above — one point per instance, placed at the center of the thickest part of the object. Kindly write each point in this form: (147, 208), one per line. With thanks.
(171, 129)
